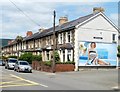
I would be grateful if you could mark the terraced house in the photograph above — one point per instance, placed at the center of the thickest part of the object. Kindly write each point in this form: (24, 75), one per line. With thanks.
(73, 39)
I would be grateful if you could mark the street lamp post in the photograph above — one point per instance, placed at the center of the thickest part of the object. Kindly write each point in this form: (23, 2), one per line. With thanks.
(53, 63)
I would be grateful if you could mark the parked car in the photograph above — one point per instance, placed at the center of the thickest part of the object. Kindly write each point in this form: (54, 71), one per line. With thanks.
(22, 66)
(10, 63)
(2, 63)
(119, 64)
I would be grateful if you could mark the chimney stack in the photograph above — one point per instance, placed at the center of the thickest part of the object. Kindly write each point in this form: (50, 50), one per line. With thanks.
(29, 33)
(63, 20)
(98, 9)
(41, 30)
(10, 42)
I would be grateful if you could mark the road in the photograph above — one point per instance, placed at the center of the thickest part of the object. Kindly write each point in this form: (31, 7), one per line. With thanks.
(102, 79)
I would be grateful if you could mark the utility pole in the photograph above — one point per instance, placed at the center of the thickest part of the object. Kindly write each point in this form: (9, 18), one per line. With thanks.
(54, 38)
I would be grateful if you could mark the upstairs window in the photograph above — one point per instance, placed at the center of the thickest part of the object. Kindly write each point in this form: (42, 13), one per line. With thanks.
(113, 37)
(61, 38)
(68, 35)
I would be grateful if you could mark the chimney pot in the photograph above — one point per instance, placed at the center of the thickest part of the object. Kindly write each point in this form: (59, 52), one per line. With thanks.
(29, 33)
(98, 9)
(41, 30)
(63, 20)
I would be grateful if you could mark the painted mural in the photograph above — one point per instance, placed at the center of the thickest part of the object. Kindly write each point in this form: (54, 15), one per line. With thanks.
(101, 54)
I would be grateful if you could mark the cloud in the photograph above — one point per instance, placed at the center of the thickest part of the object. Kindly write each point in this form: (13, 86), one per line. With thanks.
(14, 22)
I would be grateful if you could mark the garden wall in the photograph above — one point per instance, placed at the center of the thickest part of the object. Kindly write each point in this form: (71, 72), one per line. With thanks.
(58, 67)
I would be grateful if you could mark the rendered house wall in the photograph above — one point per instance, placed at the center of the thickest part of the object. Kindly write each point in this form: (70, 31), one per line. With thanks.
(95, 30)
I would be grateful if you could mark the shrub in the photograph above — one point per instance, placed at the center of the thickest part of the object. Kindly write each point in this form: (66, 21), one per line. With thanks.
(119, 49)
(37, 57)
(27, 57)
(3, 58)
(118, 55)
(12, 57)
(118, 52)
(68, 62)
(57, 57)
(48, 63)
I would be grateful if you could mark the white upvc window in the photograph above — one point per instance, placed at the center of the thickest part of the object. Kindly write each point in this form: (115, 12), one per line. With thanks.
(61, 38)
(69, 36)
(32, 44)
(49, 39)
(36, 43)
(48, 55)
(39, 42)
(68, 55)
(24, 45)
(113, 37)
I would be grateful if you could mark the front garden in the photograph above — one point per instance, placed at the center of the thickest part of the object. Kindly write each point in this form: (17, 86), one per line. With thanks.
(47, 65)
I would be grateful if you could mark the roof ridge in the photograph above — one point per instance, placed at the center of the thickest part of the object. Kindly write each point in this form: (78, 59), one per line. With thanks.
(66, 25)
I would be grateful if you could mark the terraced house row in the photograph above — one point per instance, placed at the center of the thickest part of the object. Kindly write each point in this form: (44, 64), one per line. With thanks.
(73, 39)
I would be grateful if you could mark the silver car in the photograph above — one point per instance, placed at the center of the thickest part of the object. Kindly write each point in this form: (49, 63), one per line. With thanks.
(10, 63)
(22, 66)
(2, 63)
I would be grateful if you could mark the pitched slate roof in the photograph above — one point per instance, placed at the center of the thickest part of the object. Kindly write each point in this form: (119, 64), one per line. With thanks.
(65, 26)
(31, 37)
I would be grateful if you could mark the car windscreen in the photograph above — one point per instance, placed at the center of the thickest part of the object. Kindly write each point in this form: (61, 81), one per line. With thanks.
(24, 63)
(12, 61)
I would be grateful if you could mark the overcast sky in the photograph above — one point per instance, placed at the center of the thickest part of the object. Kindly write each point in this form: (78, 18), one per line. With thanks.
(39, 14)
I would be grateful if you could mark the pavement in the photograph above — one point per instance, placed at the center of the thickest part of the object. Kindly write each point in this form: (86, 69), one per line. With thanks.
(101, 79)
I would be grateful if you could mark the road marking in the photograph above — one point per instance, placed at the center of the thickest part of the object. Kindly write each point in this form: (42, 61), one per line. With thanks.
(116, 88)
(9, 82)
(18, 81)
(33, 83)
(24, 79)
(16, 85)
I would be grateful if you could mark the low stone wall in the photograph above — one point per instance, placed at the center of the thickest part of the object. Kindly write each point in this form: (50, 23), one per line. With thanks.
(36, 65)
(58, 67)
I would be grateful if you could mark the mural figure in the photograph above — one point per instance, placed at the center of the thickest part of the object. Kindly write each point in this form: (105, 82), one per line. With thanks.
(93, 55)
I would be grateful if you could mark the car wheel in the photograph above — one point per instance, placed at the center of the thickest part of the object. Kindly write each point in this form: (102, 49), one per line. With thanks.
(8, 68)
(5, 67)
(18, 70)
(30, 71)
(14, 69)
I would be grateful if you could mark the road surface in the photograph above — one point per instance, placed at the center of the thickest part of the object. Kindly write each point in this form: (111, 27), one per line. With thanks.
(103, 79)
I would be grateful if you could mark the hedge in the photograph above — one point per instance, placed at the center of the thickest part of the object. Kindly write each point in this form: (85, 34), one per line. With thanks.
(12, 57)
(37, 57)
(49, 63)
(27, 56)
